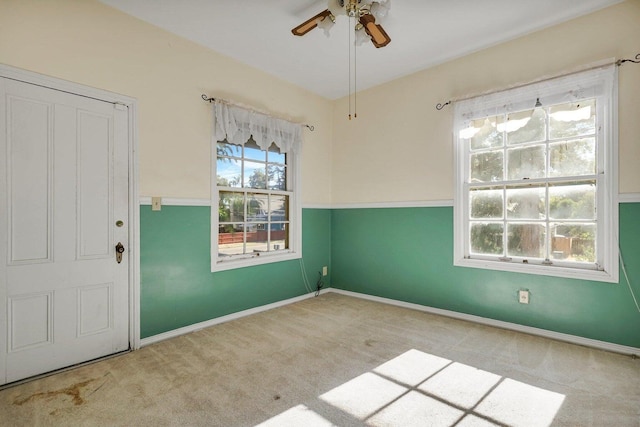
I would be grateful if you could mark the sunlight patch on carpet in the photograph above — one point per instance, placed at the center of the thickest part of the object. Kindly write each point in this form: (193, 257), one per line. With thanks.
(461, 385)
(418, 389)
(412, 367)
(295, 417)
(364, 395)
(519, 404)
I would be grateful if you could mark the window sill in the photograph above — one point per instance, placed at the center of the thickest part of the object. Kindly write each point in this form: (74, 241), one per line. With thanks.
(544, 270)
(233, 264)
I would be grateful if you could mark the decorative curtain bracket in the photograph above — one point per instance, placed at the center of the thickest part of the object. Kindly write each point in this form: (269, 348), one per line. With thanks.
(208, 99)
(441, 106)
(619, 62)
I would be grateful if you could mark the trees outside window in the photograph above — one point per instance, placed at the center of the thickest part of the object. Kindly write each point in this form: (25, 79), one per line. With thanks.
(254, 196)
(537, 185)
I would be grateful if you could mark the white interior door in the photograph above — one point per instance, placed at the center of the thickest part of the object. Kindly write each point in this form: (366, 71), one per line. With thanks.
(64, 206)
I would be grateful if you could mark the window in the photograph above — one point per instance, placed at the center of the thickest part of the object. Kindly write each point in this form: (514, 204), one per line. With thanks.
(536, 178)
(258, 219)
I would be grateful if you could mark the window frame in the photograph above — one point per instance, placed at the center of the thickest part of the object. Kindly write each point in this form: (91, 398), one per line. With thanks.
(293, 177)
(600, 83)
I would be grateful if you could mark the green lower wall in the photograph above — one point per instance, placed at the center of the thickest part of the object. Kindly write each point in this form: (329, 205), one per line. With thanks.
(177, 287)
(406, 254)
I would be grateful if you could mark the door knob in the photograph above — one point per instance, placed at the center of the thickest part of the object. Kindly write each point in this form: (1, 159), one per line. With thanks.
(119, 251)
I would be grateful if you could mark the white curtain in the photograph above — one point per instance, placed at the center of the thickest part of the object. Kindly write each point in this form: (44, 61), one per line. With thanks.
(237, 125)
(579, 85)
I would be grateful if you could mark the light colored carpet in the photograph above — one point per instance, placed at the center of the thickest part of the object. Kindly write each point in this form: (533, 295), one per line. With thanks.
(338, 360)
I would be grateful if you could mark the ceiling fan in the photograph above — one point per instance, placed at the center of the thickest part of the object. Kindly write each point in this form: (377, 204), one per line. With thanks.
(364, 11)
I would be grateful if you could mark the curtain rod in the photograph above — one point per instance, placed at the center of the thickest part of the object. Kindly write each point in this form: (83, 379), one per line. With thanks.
(206, 98)
(619, 62)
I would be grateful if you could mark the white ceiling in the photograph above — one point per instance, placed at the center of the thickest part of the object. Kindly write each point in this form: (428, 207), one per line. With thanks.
(423, 33)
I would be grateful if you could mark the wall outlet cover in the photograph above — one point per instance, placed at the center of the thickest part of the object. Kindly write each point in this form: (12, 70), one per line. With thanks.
(523, 297)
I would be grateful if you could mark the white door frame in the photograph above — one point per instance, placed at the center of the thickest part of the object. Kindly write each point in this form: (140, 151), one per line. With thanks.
(25, 76)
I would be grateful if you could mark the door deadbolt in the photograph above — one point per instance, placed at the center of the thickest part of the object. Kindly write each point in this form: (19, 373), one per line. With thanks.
(119, 251)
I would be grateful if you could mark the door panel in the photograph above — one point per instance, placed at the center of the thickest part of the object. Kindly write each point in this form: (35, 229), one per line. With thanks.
(63, 297)
(30, 320)
(29, 180)
(94, 309)
(95, 179)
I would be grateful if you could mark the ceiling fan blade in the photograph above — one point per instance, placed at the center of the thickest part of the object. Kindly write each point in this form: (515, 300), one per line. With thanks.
(310, 24)
(379, 36)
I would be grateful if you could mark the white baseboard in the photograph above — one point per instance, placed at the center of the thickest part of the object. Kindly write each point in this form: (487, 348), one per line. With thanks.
(573, 339)
(233, 316)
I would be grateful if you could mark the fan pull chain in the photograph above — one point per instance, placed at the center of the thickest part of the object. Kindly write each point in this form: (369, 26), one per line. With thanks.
(349, 47)
(355, 76)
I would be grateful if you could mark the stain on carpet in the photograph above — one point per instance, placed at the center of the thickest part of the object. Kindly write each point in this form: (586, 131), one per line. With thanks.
(75, 392)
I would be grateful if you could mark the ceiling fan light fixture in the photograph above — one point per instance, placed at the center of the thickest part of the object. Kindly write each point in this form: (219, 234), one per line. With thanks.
(380, 8)
(364, 14)
(326, 24)
(352, 9)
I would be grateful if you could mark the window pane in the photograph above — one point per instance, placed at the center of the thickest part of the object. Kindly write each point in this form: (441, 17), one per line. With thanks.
(228, 150)
(486, 203)
(551, 164)
(526, 126)
(526, 162)
(277, 175)
(574, 242)
(486, 238)
(573, 119)
(255, 175)
(253, 152)
(230, 207)
(228, 172)
(526, 240)
(257, 235)
(275, 156)
(230, 240)
(279, 208)
(487, 167)
(279, 236)
(526, 202)
(257, 207)
(571, 158)
(573, 201)
(485, 132)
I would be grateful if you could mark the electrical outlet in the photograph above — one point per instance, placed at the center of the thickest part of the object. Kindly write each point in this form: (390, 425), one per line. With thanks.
(523, 297)
(324, 271)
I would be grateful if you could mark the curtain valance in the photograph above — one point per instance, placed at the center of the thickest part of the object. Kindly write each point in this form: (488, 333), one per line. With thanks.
(237, 125)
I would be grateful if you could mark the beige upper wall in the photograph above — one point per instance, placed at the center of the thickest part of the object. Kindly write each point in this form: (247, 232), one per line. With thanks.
(89, 43)
(400, 147)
